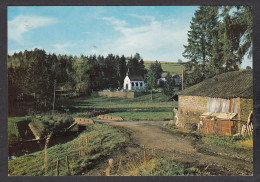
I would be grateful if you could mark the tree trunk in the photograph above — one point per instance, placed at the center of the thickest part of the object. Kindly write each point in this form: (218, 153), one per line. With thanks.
(54, 94)
(151, 94)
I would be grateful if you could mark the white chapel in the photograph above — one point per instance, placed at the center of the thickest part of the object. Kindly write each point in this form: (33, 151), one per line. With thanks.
(133, 82)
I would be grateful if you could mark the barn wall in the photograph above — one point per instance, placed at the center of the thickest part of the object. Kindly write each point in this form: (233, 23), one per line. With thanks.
(189, 110)
(193, 103)
(117, 94)
(246, 106)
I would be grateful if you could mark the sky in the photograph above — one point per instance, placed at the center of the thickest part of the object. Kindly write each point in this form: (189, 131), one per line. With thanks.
(155, 32)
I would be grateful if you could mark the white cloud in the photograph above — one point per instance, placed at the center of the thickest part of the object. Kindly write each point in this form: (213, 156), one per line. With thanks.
(22, 24)
(114, 21)
(62, 48)
(161, 40)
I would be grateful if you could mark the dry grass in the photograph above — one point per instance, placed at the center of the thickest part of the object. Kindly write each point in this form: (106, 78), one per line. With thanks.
(246, 143)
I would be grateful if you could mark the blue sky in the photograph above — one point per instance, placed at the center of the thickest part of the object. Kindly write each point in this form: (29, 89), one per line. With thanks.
(156, 32)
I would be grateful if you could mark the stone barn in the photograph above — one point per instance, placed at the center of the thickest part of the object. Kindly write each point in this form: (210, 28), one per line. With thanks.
(227, 97)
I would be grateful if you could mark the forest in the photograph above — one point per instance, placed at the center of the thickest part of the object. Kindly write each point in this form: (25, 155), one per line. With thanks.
(40, 73)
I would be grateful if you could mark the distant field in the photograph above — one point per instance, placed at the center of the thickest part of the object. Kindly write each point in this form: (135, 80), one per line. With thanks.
(138, 109)
(171, 67)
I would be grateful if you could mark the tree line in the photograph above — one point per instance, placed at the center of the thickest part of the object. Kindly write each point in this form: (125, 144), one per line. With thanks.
(218, 39)
(40, 73)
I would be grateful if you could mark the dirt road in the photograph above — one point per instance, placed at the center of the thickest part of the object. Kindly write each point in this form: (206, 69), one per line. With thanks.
(165, 144)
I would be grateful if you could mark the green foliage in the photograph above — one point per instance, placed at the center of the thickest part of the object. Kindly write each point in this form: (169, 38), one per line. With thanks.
(203, 46)
(218, 39)
(168, 88)
(151, 80)
(32, 164)
(156, 68)
(55, 122)
(136, 65)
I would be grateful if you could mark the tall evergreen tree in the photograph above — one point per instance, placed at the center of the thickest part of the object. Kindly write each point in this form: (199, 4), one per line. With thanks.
(203, 46)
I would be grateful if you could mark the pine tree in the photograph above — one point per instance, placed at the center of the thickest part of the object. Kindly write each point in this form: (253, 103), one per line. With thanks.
(203, 46)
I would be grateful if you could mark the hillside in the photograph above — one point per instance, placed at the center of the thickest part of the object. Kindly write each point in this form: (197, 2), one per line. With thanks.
(172, 67)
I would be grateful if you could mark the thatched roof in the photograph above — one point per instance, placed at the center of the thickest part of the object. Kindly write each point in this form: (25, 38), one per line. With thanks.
(226, 85)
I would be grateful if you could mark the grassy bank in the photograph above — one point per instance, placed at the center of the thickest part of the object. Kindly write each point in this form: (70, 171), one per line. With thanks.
(13, 131)
(82, 155)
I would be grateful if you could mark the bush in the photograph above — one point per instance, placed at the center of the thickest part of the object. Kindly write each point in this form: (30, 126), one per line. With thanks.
(55, 122)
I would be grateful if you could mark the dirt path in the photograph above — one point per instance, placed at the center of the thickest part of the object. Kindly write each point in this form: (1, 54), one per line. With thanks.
(165, 144)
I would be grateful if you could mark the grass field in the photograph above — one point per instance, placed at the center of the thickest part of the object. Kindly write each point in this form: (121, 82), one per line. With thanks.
(171, 67)
(139, 108)
(81, 154)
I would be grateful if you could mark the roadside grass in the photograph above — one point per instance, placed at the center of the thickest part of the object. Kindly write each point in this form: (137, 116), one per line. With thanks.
(217, 144)
(82, 155)
(136, 109)
(13, 132)
(164, 167)
(135, 165)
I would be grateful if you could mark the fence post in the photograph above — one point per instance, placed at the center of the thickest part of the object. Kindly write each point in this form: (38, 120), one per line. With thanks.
(101, 141)
(57, 167)
(45, 152)
(87, 141)
(144, 154)
(67, 163)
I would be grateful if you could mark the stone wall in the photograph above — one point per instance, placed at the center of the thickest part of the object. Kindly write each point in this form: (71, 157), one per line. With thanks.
(246, 106)
(193, 103)
(120, 94)
(189, 110)
(114, 118)
(117, 94)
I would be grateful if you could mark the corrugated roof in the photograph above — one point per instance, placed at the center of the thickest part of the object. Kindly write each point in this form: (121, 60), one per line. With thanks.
(136, 78)
(226, 85)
